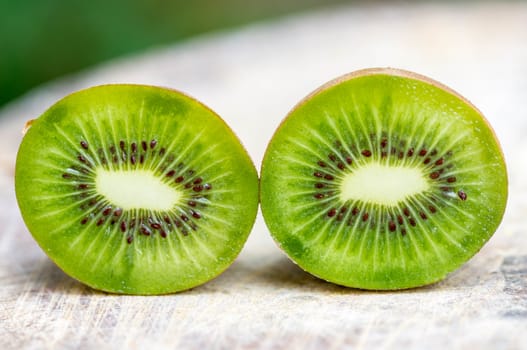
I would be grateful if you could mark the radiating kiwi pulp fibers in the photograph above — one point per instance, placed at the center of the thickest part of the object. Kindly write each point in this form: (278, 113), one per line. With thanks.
(136, 189)
(383, 179)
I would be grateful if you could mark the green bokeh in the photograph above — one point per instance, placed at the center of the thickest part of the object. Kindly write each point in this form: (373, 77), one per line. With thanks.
(41, 40)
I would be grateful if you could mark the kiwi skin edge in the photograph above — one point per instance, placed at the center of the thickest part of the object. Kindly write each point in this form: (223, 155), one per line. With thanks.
(265, 168)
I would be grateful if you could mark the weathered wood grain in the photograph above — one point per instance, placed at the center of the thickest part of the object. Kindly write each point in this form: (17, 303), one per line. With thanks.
(252, 77)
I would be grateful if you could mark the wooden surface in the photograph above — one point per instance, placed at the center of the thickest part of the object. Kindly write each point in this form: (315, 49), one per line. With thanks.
(251, 77)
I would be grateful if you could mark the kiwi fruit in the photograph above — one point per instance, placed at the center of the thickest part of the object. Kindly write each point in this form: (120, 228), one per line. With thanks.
(383, 179)
(136, 189)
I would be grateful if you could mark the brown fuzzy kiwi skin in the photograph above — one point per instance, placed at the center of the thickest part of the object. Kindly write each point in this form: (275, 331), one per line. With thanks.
(390, 71)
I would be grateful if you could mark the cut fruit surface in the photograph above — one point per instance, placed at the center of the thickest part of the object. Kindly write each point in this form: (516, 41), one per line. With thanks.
(369, 184)
(383, 179)
(136, 189)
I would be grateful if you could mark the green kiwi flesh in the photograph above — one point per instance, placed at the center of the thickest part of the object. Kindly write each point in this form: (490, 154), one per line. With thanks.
(383, 179)
(136, 189)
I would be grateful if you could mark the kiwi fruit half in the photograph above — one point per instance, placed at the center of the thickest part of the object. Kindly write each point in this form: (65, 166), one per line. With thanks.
(383, 179)
(136, 189)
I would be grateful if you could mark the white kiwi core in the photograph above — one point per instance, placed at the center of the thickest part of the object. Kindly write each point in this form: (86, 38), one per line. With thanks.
(382, 184)
(138, 189)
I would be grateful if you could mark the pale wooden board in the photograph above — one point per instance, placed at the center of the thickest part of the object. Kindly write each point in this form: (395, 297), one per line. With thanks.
(251, 77)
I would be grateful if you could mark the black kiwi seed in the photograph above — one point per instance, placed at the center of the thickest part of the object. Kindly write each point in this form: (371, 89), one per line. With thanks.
(366, 153)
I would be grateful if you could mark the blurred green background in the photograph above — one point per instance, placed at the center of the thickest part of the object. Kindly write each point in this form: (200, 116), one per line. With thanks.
(43, 39)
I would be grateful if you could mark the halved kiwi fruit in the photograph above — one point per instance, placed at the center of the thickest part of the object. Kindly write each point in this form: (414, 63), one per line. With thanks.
(136, 189)
(383, 179)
